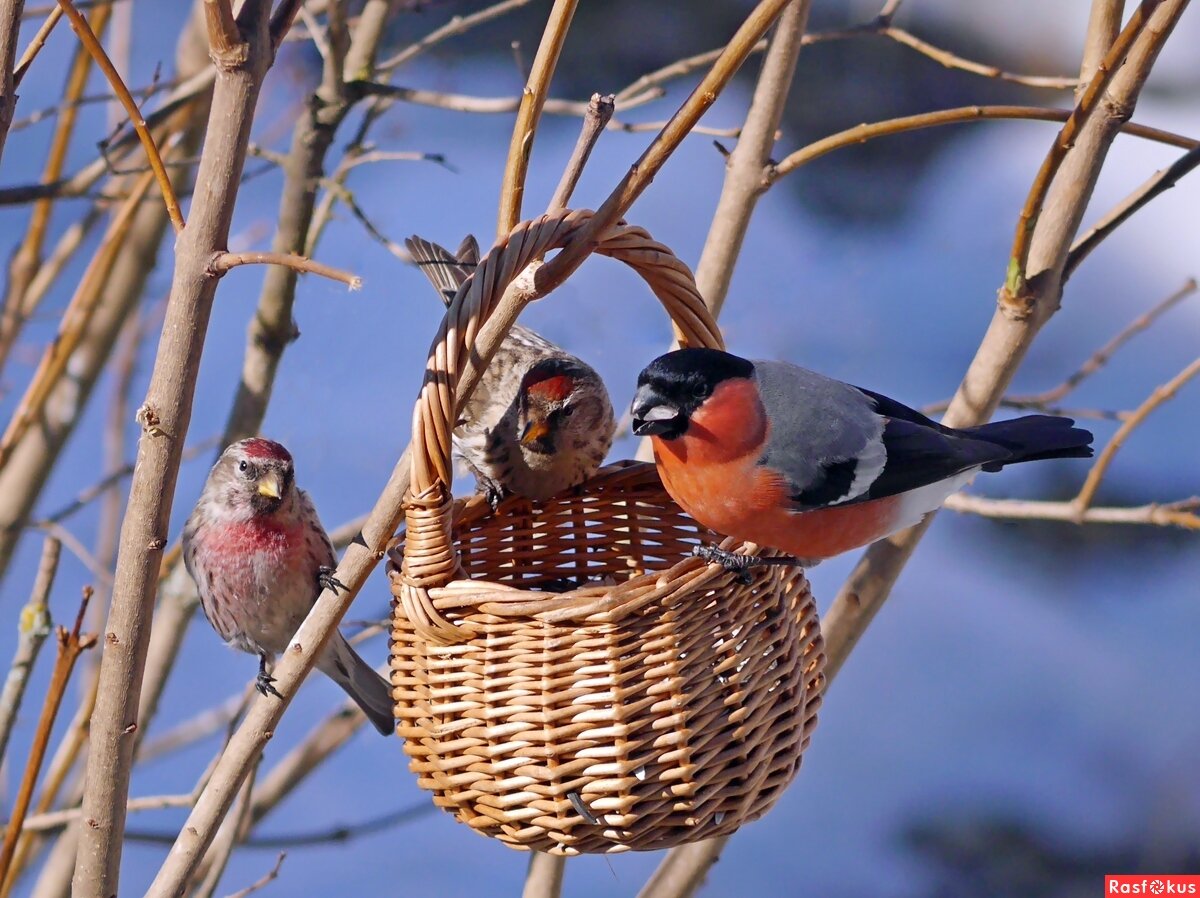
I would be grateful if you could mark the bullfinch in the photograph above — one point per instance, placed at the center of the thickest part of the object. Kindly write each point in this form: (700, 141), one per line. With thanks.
(771, 453)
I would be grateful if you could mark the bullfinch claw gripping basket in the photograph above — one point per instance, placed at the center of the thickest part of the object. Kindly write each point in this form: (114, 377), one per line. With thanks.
(660, 700)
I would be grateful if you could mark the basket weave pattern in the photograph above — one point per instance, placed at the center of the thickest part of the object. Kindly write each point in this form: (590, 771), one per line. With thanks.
(659, 700)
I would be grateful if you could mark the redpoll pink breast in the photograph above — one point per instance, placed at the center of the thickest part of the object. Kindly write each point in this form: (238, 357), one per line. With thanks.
(540, 420)
(260, 558)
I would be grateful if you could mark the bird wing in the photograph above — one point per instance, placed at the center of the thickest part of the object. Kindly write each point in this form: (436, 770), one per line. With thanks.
(445, 270)
(837, 444)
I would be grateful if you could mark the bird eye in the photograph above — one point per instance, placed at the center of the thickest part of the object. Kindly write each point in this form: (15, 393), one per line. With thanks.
(246, 468)
(568, 411)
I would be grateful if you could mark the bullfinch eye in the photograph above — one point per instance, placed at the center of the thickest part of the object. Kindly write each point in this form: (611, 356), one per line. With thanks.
(246, 469)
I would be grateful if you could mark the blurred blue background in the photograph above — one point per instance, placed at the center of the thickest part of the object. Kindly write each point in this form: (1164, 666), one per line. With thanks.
(1022, 716)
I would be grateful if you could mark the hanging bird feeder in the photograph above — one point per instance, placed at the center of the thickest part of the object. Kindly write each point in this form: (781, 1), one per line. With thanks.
(660, 700)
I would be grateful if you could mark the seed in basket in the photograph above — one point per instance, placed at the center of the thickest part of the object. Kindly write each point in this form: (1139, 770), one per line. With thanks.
(260, 557)
(540, 420)
(771, 453)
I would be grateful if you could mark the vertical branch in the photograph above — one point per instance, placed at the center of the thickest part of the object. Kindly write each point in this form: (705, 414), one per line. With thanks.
(10, 31)
(1104, 24)
(512, 187)
(70, 646)
(227, 839)
(165, 416)
(747, 166)
(32, 631)
(544, 878)
(28, 258)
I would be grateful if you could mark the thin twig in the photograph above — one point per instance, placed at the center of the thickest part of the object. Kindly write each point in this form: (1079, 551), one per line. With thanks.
(222, 27)
(33, 627)
(512, 185)
(88, 37)
(1101, 356)
(58, 819)
(225, 261)
(488, 105)
(862, 133)
(1157, 514)
(36, 44)
(1160, 395)
(1046, 401)
(70, 645)
(456, 26)
(600, 110)
(1089, 99)
(74, 324)
(27, 258)
(262, 882)
(1158, 183)
(740, 46)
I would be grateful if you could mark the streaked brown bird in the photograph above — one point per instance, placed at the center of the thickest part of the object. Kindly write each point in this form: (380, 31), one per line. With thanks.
(540, 420)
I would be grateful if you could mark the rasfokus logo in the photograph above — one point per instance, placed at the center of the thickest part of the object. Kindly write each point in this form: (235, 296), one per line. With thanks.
(1157, 884)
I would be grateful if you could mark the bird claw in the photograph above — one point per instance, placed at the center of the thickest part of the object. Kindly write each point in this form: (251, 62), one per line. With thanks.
(326, 580)
(264, 682)
(494, 494)
(740, 564)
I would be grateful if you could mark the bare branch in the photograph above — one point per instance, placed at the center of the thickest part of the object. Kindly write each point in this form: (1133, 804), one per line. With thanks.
(1158, 183)
(512, 186)
(862, 133)
(648, 164)
(35, 45)
(748, 164)
(59, 819)
(1171, 514)
(33, 627)
(456, 26)
(225, 261)
(222, 27)
(1101, 356)
(1089, 100)
(71, 644)
(28, 256)
(600, 110)
(165, 416)
(88, 38)
(74, 325)
(1160, 395)
(265, 880)
(10, 31)
(227, 839)
(544, 877)
(489, 105)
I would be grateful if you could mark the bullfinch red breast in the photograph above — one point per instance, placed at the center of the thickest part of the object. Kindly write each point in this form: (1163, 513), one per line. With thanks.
(771, 453)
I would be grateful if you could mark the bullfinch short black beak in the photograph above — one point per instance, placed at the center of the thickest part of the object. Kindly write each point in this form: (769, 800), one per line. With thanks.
(651, 413)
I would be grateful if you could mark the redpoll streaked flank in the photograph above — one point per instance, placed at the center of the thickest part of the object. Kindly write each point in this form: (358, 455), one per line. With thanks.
(260, 557)
(540, 420)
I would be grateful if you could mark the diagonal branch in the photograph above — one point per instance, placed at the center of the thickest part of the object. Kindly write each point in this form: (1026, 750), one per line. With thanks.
(88, 38)
(165, 417)
(512, 187)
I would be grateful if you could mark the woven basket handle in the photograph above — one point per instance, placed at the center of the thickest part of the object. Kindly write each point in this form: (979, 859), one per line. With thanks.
(430, 559)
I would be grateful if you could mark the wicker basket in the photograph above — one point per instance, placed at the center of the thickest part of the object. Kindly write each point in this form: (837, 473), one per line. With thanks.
(660, 700)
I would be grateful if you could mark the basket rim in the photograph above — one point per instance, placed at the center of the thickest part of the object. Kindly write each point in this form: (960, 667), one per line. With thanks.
(507, 274)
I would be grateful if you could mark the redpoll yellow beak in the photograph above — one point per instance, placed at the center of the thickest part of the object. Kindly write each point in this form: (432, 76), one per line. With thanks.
(270, 486)
(535, 431)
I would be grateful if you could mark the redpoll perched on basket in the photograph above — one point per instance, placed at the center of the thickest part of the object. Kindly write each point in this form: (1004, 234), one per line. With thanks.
(774, 454)
(540, 420)
(260, 558)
